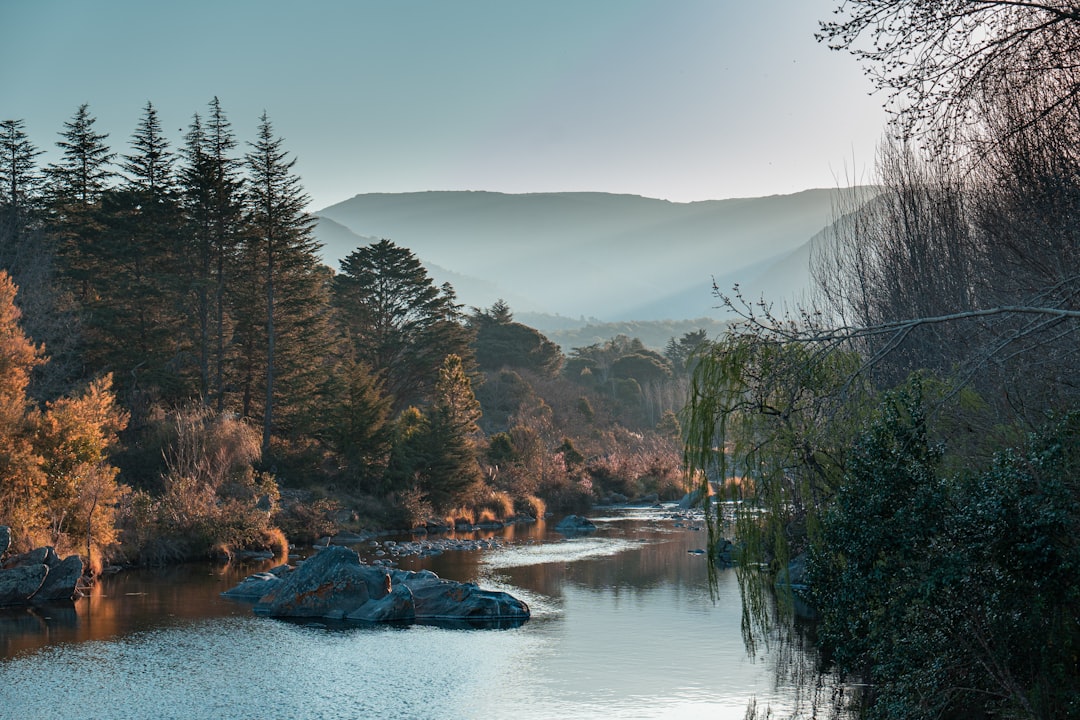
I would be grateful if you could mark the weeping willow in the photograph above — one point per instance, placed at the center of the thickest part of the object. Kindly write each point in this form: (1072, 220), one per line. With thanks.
(766, 429)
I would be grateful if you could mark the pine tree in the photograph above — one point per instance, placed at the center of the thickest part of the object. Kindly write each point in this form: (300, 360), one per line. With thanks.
(289, 322)
(212, 190)
(500, 342)
(20, 181)
(134, 318)
(150, 168)
(74, 188)
(397, 320)
(28, 254)
(83, 173)
(358, 424)
(453, 467)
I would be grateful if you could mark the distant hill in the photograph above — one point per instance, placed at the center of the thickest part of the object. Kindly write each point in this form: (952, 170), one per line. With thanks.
(596, 255)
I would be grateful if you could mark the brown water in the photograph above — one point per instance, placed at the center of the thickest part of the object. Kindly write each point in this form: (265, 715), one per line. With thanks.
(623, 627)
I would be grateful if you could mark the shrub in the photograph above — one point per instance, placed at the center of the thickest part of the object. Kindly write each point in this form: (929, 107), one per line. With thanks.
(495, 505)
(307, 521)
(530, 505)
(953, 596)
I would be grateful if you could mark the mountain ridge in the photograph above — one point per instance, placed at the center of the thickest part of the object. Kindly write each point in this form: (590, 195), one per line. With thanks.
(610, 256)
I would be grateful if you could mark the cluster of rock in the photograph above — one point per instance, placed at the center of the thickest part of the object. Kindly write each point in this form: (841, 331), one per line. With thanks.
(38, 577)
(335, 585)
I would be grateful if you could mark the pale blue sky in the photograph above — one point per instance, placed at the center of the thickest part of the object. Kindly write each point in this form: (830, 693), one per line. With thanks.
(676, 99)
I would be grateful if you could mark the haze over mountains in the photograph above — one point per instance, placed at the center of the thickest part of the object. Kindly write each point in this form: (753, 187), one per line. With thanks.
(595, 255)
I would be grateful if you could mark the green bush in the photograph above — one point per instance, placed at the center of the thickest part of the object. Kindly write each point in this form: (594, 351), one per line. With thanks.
(953, 596)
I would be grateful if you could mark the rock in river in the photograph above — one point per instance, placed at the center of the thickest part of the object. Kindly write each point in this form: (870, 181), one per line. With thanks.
(38, 576)
(19, 583)
(61, 582)
(575, 524)
(334, 584)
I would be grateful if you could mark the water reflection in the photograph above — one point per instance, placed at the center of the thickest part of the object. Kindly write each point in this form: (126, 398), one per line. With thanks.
(623, 627)
(127, 602)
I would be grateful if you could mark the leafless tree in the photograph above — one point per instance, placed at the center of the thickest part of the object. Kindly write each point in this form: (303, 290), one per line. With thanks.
(937, 59)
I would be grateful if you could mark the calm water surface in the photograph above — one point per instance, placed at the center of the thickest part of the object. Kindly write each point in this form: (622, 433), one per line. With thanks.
(623, 627)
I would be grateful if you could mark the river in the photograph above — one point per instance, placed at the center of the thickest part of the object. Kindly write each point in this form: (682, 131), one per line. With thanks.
(623, 626)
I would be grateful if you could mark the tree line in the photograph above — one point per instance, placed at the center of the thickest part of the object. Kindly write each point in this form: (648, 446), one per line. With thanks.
(172, 302)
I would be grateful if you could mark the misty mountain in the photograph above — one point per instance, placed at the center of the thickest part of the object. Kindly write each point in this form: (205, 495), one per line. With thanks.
(614, 257)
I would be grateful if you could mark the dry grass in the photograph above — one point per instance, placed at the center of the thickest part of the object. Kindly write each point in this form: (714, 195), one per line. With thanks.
(531, 505)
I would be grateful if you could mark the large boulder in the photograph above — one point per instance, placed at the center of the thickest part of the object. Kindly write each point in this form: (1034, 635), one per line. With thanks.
(334, 584)
(19, 583)
(691, 499)
(331, 584)
(61, 583)
(575, 524)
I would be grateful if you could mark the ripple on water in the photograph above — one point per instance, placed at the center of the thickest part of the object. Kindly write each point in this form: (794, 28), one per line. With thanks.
(570, 550)
(262, 668)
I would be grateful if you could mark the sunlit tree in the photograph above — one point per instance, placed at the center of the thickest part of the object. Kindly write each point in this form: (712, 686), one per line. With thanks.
(22, 482)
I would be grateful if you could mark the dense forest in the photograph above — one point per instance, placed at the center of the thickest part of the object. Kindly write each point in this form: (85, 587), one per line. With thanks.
(182, 376)
(905, 452)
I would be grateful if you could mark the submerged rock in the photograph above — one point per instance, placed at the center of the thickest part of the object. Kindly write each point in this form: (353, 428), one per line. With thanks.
(253, 587)
(575, 524)
(334, 584)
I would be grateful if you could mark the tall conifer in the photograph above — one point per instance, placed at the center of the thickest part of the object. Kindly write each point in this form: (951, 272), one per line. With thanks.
(74, 188)
(212, 188)
(291, 322)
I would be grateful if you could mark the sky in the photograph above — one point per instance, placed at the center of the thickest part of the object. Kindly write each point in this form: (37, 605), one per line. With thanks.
(682, 100)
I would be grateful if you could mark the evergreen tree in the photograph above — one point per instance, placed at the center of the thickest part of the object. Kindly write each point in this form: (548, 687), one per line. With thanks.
(28, 254)
(435, 452)
(212, 187)
(291, 323)
(359, 423)
(135, 317)
(500, 342)
(453, 467)
(150, 168)
(83, 173)
(20, 181)
(397, 320)
(74, 188)
(680, 352)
